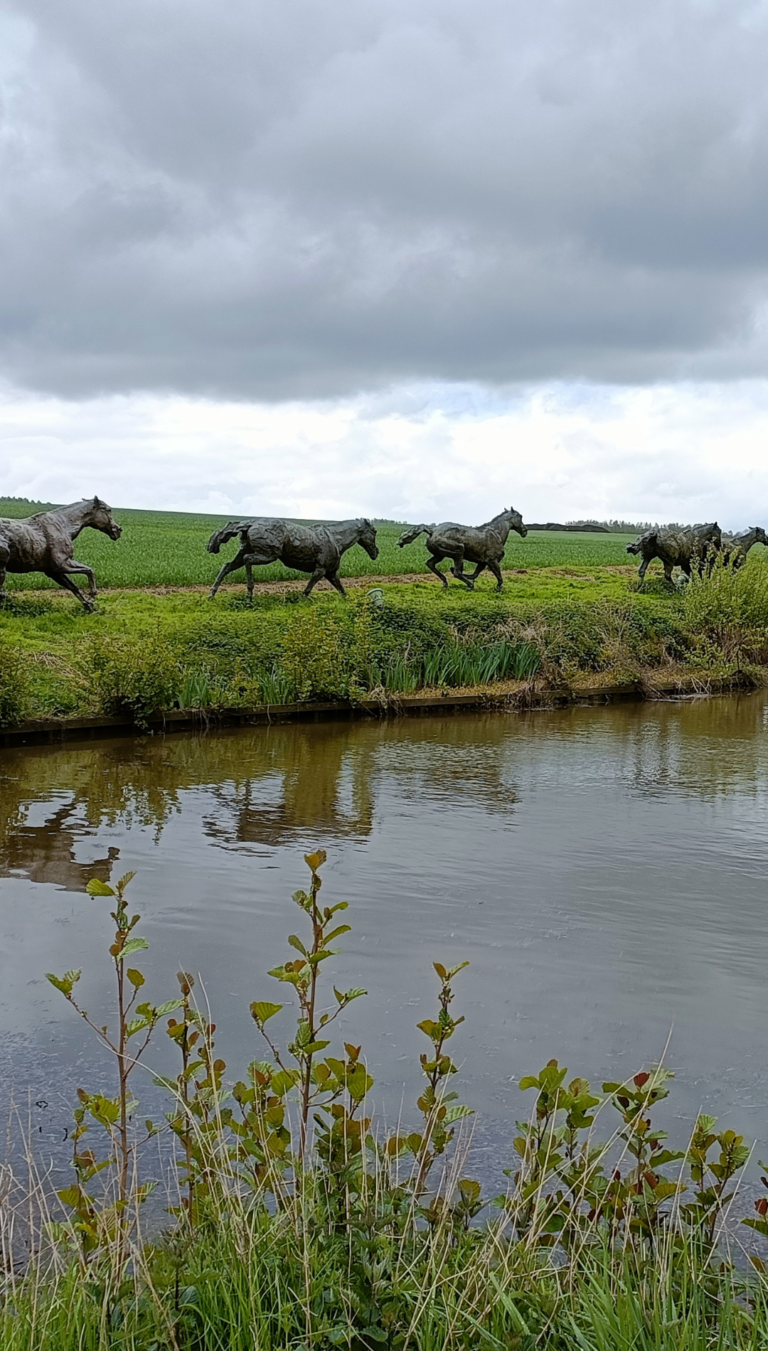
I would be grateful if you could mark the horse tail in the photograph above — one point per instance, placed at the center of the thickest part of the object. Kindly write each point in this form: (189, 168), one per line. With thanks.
(227, 532)
(408, 536)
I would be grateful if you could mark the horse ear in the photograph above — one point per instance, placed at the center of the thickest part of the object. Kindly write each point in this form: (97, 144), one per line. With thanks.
(96, 502)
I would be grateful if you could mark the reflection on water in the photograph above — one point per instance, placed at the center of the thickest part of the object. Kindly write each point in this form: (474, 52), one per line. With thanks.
(604, 871)
(266, 788)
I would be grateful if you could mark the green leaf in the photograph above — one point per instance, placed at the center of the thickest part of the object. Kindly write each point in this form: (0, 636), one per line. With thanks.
(65, 982)
(283, 1081)
(133, 945)
(528, 1081)
(348, 995)
(342, 929)
(315, 860)
(456, 1113)
(430, 1028)
(296, 943)
(454, 971)
(262, 1010)
(97, 888)
(70, 1197)
(168, 1006)
(123, 883)
(104, 1109)
(470, 1190)
(135, 977)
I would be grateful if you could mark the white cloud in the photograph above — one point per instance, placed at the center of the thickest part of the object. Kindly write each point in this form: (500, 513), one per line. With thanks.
(415, 452)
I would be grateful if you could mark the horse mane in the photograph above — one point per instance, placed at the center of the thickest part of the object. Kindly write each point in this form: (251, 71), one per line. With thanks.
(500, 515)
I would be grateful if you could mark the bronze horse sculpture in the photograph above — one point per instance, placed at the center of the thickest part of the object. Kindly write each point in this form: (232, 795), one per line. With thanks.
(736, 547)
(686, 548)
(480, 544)
(43, 543)
(316, 549)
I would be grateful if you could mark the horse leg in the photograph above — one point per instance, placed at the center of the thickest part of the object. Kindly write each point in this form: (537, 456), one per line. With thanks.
(643, 569)
(5, 555)
(249, 580)
(317, 576)
(458, 571)
(432, 563)
(73, 566)
(496, 570)
(61, 579)
(231, 566)
(480, 568)
(334, 581)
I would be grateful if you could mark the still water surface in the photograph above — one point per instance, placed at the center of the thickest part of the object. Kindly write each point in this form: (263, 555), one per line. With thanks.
(603, 870)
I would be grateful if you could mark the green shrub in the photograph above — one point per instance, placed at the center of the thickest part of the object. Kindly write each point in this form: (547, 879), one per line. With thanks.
(14, 685)
(729, 597)
(134, 677)
(314, 659)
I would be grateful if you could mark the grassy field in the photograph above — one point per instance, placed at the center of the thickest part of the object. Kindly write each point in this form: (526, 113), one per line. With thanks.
(168, 549)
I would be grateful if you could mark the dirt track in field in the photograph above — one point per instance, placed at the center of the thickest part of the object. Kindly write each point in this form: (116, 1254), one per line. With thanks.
(349, 583)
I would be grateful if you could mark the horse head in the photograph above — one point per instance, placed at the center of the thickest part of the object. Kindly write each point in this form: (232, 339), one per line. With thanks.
(637, 545)
(760, 535)
(515, 521)
(367, 537)
(100, 518)
(709, 534)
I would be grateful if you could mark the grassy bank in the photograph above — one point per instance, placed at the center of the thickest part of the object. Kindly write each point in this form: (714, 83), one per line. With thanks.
(295, 1220)
(143, 651)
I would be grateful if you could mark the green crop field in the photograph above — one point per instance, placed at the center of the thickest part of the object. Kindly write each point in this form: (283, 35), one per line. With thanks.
(168, 549)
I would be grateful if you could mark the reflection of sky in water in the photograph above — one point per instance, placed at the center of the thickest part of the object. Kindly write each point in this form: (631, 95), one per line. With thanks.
(602, 869)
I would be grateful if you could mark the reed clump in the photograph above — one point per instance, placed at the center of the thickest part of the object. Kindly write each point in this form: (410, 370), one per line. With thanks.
(295, 1222)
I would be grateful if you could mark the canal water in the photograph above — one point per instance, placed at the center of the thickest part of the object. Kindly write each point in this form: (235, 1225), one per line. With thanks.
(603, 870)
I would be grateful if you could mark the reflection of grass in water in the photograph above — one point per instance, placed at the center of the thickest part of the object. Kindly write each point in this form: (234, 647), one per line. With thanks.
(297, 1220)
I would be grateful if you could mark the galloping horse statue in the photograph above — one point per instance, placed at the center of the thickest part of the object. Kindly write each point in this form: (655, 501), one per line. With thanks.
(307, 548)
(736, 547)
(43, 543)
(480, 544)
(687, 548)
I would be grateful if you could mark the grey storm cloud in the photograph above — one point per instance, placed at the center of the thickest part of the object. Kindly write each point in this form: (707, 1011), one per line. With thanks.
(308, 198)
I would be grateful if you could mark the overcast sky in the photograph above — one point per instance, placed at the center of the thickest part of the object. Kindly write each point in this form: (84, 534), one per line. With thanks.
(394, 257)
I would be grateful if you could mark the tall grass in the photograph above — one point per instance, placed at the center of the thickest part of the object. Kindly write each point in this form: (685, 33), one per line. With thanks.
(461, 664)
